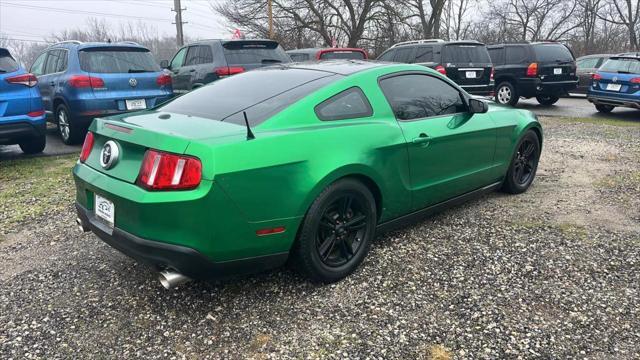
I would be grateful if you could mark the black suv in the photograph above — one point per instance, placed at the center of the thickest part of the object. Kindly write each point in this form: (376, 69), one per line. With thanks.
(544, 70)
(204, 61)
(465, 62)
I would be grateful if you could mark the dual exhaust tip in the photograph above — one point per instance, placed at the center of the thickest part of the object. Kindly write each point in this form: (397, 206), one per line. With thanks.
(168, 278)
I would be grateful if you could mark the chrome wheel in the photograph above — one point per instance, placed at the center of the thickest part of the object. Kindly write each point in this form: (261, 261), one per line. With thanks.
(63, 124)
(504, 95)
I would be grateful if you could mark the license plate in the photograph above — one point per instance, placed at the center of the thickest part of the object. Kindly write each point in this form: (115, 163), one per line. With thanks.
(136, 104)
(557, 71)
(104, 209)
(614, 87)
(470, 74)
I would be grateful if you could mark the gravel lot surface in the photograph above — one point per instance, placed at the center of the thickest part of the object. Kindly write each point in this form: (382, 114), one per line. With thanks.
(553, 273)
(55, 146)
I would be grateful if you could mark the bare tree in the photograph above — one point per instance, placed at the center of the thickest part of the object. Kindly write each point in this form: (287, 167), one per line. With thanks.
(627, 14)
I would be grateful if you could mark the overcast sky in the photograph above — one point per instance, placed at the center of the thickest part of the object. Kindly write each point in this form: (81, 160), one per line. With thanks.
(37, 19)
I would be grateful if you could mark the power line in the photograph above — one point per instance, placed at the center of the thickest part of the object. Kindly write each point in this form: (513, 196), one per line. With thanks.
(69, 11)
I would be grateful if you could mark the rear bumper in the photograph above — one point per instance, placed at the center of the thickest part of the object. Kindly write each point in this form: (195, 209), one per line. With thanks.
(185, 260)
(17, 131)
(530, 87)
(481, 90)
(614, 101)
(88, 109)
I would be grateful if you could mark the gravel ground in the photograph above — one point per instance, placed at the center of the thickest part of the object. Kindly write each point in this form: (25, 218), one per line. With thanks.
(553, 273)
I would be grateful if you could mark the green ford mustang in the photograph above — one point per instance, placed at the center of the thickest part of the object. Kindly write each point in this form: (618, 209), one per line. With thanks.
(301, 163)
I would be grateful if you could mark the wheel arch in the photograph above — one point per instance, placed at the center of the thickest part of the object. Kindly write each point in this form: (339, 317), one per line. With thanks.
(57, 101)
(508, 78)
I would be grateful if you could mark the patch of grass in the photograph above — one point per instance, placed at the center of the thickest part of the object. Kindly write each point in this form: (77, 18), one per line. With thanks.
(602, 121)
(33, 187)
(439, 352)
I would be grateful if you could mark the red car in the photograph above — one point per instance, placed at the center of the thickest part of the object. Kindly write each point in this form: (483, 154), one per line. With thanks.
(312, 54)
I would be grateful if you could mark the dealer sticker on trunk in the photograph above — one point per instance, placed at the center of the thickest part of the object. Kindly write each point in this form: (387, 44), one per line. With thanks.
(104, 209)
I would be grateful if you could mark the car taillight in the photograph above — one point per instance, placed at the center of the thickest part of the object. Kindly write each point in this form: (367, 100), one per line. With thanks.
(164, 79)
(29, 80)
(493, 73)
(36, 113)
(441, 70)
(532, 69)
(635, 80)
(596, 77)
(228, 70)
(165, 171)
(86, 146)
(85, 81)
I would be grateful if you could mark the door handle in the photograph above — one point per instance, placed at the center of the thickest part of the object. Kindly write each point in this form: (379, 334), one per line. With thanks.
(422, 139)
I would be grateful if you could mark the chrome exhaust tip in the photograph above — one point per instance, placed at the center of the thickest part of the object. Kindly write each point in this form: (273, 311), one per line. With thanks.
(81, 225)
(170, 279)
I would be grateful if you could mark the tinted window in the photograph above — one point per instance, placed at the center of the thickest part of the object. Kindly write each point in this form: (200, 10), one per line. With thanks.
(178, 59)
(357, 55)
(552, 52)
(621, 65)
(117, 60)
(200, 54)
(258, 52)
(299, 57)
(62, 61)
(7, 64)
(403, 55)
(349, 104)
(419, 96)
(466, 54)
(38, 66)
(424, 54)
(52, 62)
(497, 56)
(516, 54)
(587, 63)
(261, 93)
(387, 56)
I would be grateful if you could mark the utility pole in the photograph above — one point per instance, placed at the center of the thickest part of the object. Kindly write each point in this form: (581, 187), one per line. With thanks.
(178, 10)
(270, 11)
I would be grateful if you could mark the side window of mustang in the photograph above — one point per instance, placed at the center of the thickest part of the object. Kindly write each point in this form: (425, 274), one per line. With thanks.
(348, 104)
(415, 96)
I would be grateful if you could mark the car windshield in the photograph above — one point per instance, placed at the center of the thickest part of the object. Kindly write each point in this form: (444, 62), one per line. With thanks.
(7, 64)
(342, 54)
(552, 53)
(466, 54)
(254, 52)
(622, 65)
(260, 93)
(117, 60)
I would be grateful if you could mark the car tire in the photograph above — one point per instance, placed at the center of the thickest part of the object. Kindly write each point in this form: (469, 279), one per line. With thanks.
(35, 145)
(70, 131)
(524, 163)
(547, 99)
(506, 94)
(328, 248)
(605, 109)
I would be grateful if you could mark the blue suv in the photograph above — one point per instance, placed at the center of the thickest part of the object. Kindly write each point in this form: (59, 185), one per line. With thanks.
(81, 81)
(21, 114)
(616, 83)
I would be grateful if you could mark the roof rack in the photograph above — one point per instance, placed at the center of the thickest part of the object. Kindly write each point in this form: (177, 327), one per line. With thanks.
(78, 42)
(421, 41)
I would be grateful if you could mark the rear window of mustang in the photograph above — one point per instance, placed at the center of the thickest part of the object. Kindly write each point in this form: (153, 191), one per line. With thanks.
(260, 93)
(622, 66)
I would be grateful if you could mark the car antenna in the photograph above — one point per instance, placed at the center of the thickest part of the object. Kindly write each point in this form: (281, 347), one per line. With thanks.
(250, 135)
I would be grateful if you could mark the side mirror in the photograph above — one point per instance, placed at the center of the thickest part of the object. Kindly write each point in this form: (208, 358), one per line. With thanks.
(477, 106)
(164, 64)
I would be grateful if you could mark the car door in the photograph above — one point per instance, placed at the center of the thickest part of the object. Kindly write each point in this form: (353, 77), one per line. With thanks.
(204, 66)
(450, 151)
(180, 82)
(37, 69)
(46, 80)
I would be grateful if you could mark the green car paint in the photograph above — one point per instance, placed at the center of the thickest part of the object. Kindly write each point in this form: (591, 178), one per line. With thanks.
(271, 181)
